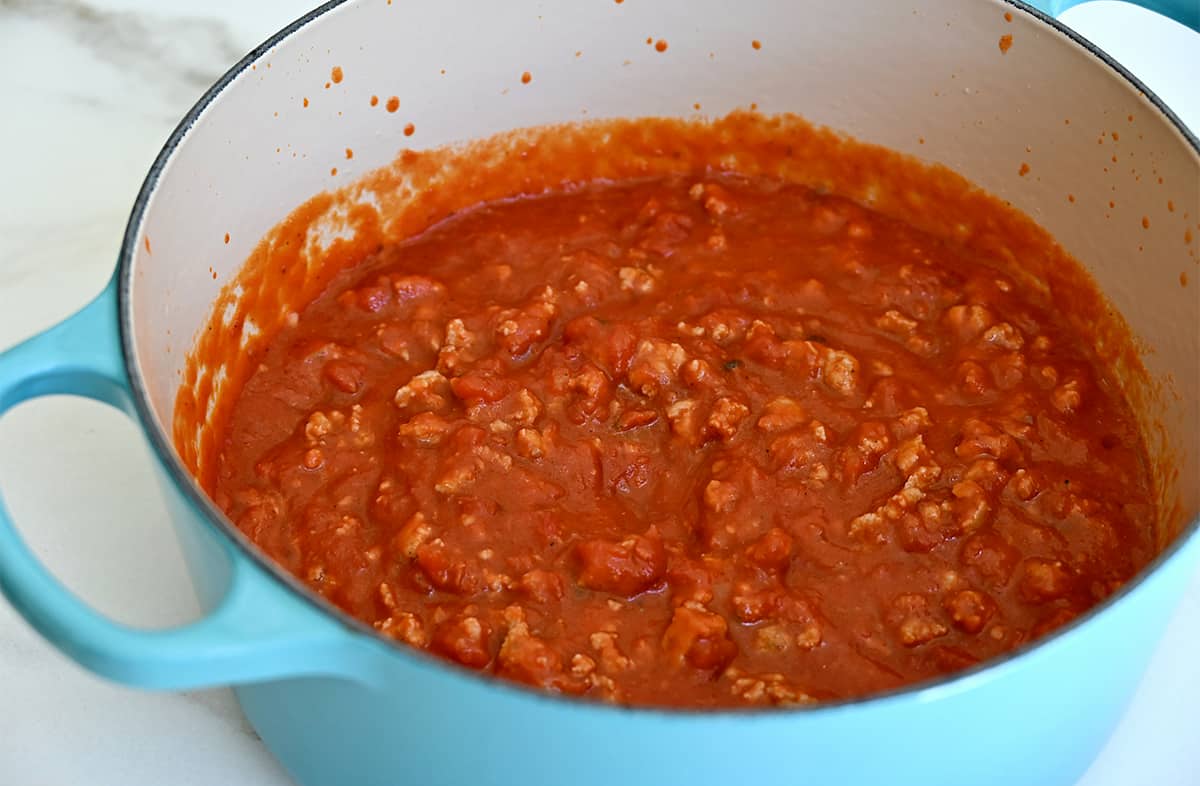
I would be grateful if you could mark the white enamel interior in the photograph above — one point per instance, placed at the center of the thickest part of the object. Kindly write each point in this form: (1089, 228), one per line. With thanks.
(925, 77)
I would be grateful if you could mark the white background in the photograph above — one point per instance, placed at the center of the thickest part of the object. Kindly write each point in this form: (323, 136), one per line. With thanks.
(88, 93)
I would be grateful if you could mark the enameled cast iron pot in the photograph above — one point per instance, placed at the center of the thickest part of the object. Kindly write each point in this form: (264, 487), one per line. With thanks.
(340, 705)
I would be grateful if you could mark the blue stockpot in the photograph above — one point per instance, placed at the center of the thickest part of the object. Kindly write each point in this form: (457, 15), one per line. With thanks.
(339, 705)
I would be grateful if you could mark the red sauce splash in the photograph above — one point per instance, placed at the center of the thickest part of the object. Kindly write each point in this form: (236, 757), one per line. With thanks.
(526, 78)
(393, 104)
(660, 45)
(337, 75)
(1006, 42)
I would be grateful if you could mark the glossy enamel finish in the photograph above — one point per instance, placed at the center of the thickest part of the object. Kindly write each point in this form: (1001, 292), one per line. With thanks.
(338, 705)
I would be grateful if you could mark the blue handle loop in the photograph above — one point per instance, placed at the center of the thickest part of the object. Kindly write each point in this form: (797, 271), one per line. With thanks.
(1185, 12)
(258, 630)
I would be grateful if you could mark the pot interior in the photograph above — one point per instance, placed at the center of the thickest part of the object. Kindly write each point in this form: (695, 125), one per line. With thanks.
(1011, 103)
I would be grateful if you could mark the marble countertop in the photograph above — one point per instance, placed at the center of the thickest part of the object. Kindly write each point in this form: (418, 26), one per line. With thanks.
(90, 89)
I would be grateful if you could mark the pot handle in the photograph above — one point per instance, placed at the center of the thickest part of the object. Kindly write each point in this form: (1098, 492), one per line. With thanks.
(258, 631)
(1185, 12)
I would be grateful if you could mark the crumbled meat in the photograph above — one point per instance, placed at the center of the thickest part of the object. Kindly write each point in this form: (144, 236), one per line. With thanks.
(970, 609)
(698, 638)
(464, 639)
(725, 417)
(655, 366)
(781, 414)
(915, 620)
(428, 391)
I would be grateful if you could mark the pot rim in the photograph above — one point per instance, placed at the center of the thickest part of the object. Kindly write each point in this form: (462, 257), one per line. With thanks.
(160, 441)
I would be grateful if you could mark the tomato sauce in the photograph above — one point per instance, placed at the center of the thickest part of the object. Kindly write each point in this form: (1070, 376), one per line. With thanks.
(690, 439)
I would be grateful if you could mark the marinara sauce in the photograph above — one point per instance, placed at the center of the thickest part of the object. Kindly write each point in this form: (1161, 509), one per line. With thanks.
(692, 441)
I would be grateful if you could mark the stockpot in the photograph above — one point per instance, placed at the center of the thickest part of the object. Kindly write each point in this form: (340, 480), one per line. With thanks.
(338, 704)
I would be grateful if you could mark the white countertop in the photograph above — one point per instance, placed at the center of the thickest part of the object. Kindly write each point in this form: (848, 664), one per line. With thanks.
(89, 90)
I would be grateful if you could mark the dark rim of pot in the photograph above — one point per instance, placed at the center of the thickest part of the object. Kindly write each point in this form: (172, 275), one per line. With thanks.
(215, 517)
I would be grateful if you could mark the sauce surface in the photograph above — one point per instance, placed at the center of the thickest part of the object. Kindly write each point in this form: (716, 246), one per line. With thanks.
(691, 440)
